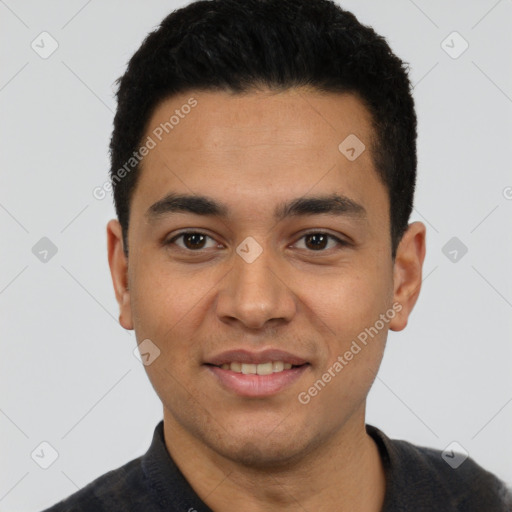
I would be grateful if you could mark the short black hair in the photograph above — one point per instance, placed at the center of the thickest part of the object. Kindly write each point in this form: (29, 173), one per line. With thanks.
(243, 45)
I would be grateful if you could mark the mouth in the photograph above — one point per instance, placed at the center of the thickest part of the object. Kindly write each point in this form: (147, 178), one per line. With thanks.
(256, 375)
(267, 368)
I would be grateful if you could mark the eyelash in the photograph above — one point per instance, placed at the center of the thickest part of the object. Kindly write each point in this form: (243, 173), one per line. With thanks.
(340, 242)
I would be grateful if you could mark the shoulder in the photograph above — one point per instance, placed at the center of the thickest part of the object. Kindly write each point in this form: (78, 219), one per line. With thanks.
(468, 486)
(421, 476)
(110, 491)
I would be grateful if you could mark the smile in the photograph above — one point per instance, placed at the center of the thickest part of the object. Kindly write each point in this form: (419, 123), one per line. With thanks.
(257, 380)
(257, 369)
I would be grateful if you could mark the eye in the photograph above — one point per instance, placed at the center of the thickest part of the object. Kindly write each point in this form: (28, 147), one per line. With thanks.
(319, 241)
(192, 240)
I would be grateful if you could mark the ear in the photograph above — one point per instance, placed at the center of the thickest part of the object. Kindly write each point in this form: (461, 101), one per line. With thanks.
(118, 263)
(407, 273)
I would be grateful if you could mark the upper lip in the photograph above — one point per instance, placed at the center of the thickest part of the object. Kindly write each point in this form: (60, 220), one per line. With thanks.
(248, 357)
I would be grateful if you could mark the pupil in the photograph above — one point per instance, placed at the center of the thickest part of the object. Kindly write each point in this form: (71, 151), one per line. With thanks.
(195, 240)
(319, 241)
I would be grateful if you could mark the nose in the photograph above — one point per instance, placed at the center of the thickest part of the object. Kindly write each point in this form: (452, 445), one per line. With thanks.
(255, 294)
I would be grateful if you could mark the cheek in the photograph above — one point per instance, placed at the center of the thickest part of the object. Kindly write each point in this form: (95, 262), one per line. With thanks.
(353, 342)
(165, 298)
(344, 303)
(167, 305)
(347, 311)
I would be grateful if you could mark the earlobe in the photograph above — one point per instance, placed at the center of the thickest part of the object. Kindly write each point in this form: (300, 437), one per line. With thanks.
(407, 273)
(118, 264)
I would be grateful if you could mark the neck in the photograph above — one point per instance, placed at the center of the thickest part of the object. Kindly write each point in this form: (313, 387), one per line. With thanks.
(344, 474)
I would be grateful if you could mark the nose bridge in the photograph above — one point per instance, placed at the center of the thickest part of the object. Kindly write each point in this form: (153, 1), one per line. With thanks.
(253, 292)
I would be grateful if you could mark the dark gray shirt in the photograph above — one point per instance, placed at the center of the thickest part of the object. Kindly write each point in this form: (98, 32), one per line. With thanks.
(417, 480)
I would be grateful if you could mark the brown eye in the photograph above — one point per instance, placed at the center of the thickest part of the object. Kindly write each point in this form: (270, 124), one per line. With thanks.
(319, 241)
(194, 240)
(191, 240)
(316, 241)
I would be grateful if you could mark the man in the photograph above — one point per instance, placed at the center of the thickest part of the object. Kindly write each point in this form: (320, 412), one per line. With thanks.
(264, 166)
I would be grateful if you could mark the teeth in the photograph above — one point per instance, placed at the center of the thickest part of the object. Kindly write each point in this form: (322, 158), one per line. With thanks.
(259, 369)
(249, 368)
(264, 369)
(277, 366)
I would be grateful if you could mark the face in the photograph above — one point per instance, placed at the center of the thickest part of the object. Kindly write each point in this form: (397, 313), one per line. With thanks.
(256, 244)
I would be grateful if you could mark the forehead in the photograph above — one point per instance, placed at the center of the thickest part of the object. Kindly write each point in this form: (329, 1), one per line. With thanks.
(258, 145)
(298, 116)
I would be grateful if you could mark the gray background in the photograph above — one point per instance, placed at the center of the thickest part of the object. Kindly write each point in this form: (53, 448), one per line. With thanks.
(67, 369)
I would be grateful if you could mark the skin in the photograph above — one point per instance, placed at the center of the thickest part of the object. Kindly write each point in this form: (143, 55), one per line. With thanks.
(253, 152)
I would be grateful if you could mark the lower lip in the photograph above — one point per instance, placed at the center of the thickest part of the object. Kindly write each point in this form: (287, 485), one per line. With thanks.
(254, 385)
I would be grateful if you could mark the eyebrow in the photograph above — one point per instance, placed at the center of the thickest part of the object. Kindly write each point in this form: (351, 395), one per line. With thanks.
(333, 204)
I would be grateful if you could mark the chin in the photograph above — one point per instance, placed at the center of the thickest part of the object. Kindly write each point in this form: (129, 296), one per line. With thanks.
(262, 455)
(264, 449)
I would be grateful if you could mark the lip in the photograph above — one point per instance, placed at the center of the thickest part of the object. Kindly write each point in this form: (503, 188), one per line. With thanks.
(257, 386)
(248, 357)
